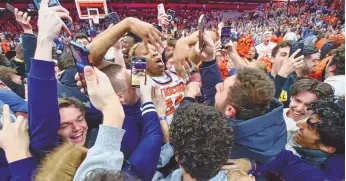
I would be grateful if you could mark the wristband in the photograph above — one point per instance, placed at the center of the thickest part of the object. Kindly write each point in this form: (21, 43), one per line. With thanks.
(162, 118)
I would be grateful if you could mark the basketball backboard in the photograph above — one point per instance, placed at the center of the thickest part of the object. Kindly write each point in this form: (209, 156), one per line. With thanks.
(87, 8)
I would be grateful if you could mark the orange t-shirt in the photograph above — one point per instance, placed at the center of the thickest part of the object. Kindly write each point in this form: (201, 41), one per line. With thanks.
(6, 46)
(319, 44)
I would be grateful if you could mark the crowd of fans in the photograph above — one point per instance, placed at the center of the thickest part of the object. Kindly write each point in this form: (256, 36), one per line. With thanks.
(251, 109)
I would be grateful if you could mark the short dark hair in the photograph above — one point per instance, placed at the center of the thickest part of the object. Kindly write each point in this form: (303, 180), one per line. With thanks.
(331, 126)
(101, 174)
(320, 89)
(135, 37)
(81, 36)
(112, 71)
(339, 60)
(252, 93)
(282, 44)
(201, 139)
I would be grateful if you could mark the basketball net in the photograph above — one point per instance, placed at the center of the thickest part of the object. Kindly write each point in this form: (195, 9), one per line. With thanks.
(94, 19)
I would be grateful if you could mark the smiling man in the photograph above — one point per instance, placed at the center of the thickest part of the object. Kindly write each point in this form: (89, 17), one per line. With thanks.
(73, 127)
(304, 92)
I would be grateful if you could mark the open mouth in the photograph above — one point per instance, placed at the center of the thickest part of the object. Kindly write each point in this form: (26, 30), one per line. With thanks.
(78, 137)
(159, 62)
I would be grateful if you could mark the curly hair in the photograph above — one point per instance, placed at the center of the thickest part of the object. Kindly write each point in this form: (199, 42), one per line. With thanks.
(7, 72)
(339, 60)
(331, 127)
(201, 139)
(252, 93)
(320, 89)
(100, 174)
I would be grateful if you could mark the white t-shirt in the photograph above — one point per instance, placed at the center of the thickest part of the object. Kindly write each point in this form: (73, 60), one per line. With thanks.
(265, 50)
(173, 87)
(292, 128)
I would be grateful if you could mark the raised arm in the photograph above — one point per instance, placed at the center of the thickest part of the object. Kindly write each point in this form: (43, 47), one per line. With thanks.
(28, 38)
(44, 119)
(106, 152)
(99, 47)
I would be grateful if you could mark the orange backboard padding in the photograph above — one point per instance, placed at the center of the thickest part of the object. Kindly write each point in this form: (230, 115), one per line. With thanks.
(101, 5)
(91, 5)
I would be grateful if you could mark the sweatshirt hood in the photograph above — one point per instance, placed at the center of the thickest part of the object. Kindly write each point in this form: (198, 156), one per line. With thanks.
(260, 138)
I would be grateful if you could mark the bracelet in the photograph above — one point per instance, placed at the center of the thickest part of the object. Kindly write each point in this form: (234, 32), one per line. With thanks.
(162, 118)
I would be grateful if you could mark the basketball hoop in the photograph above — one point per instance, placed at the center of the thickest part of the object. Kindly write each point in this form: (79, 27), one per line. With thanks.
(95, 19)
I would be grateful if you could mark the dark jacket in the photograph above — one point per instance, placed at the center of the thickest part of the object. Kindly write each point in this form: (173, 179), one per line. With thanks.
(260, 138)
(44, 122)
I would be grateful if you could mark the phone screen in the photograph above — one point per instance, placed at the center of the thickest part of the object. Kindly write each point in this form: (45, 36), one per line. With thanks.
(201, 28)
(81, 59)
(297, 46)
(10, 7)
(52, 3)
(226, 35)
(161, 8)
(138, 70)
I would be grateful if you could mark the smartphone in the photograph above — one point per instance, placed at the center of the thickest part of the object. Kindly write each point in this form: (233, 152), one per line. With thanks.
(295, 47)
(138, 70)
(112, 18)
(80, 56)
(226, 35)
(51, 3)
(170, 15)
(161, 8)
(10, 7)
(326, 48)
(201, 27)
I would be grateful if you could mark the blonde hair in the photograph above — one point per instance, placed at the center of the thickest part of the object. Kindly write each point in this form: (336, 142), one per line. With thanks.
(61, 164)
(7, 72)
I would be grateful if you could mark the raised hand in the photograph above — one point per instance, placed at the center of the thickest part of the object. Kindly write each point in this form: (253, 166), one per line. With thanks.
(292, 64)
(102, 96)
(163, 20)
(159, 101)
(145, 89)
(24, 20)
(147, 32)
(49, 21)
(208, 52)
(14, 137)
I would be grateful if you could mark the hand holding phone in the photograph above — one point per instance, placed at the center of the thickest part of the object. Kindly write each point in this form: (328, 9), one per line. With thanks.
(112, 18)
(295, 47)
(138, 70)
(52, 3)
(80, 56)
(226, 34)
(201, 27)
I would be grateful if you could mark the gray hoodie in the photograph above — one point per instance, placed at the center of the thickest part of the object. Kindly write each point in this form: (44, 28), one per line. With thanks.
(104, 154)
